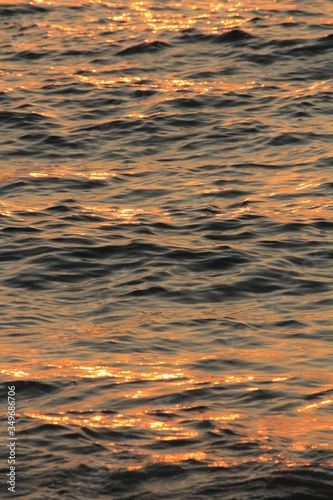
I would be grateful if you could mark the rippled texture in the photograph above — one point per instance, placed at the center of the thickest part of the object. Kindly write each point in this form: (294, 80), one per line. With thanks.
(166, 249)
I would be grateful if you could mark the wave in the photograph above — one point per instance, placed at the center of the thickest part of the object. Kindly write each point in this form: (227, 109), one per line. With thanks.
(234, 36)
(143, 48)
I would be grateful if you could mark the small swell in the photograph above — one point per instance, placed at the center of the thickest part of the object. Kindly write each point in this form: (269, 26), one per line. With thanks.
(233, 36)
(16, 10)
(143, 48)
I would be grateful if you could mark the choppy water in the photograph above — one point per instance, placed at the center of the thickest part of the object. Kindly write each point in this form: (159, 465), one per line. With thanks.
(166, 249)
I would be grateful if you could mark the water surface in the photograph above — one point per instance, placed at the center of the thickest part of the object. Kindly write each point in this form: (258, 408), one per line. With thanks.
(166, 249)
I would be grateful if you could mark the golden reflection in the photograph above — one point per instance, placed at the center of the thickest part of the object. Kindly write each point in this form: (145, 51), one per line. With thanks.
(15, 373)
(163, 379)
(191, 15)
(267, 203)
(4, 210)
(38, 174)
(94, 175)
(166, 430)
(125, 215)
(316, 405)
(172, 422)
(94, 372)
(169, 86)
(179, 457)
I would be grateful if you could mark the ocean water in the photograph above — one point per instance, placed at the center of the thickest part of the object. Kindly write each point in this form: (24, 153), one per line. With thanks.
(166, 248)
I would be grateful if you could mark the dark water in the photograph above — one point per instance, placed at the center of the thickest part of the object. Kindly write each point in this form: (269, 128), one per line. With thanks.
(166, 248)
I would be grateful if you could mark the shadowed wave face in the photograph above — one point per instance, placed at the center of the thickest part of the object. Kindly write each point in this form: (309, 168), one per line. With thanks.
(166, 249)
